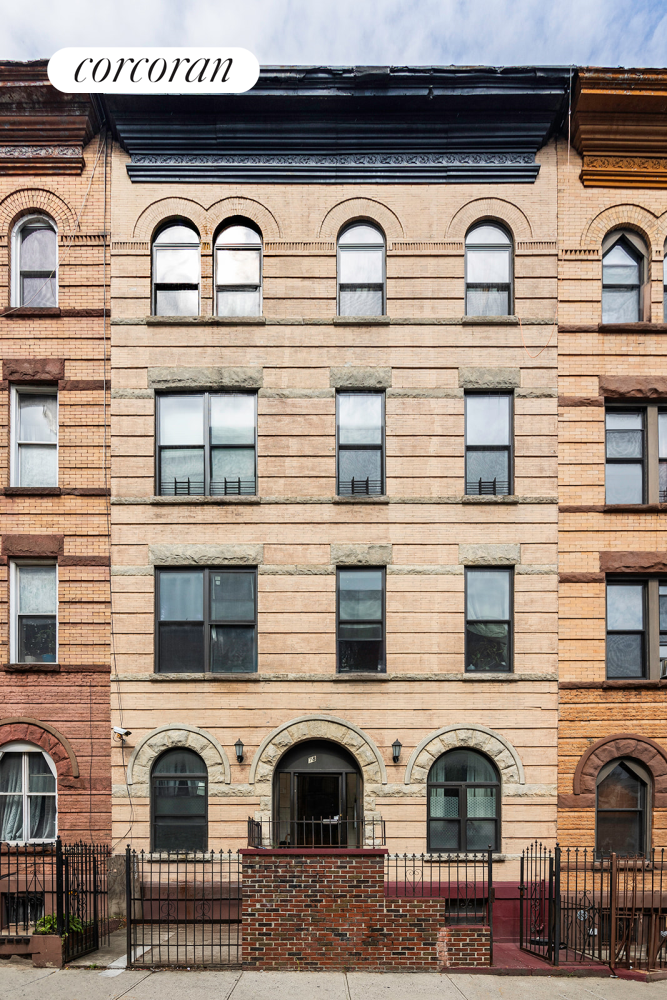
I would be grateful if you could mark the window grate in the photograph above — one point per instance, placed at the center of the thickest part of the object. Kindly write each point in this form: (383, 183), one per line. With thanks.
(492, 487)
(361, 487)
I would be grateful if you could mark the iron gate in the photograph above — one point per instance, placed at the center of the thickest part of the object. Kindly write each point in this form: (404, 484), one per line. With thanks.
(83, 899)
(539, 902)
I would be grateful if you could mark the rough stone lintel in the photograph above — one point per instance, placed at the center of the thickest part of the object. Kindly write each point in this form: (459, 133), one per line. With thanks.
(633, 562)
(360, 378)
(205, 555)
(633, 387)
(205, 378)
(490, 555)
(489, 378)
(33, 369)
(361, 555)
(32, 546)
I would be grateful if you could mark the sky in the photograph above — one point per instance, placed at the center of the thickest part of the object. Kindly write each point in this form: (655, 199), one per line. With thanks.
(354, 32)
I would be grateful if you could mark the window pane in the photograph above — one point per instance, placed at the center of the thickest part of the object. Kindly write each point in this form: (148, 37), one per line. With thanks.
(368, 630)
(481, 802)
(11, 817)
(620, 267)
(37, 590)
(662, 435)
(238, 267)
(444, 835)
(481, 834)
(176, 302)
(37, 640)
(360, 465)
(361, 267)
(38, 417)
(360, 594)
(233, 464)
(620, 790)
(488, 419)
(620, 832)
(181, 595)
(179, 797)
(624, 482)
(488, 594)
(181, 419)
(38, 465)
(238, 234)
(462, 766)
(620, 305)
(365, 656)
(41, 779)
(232, 596)
(624, 421)
(487, 466)
(359, 418)
(180, 762)
(487, 647)
(486, 234)
(38, 248)
(177, 267)
(663, 607)
(11, 774)
(38, 293)
(490, 267)
(233, 649)
(624, 444)
(181, 648)
(361, 234)
(178, 234)
(360, 302)
(487, 302)
(238, 302)
(42, 816)
(625, 606)
(624, 656)
(233, 420)
(443, 803)
(182, 471)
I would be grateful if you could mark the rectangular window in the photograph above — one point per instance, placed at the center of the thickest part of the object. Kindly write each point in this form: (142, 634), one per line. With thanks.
(35, 437)
(488, 429)
(360, 620)
(360, 440)
(625, 475)
(662, 456)
(662, 604)
(206, 620)
(626, 629)
(34, 622)
(207, 444)
(488, 620)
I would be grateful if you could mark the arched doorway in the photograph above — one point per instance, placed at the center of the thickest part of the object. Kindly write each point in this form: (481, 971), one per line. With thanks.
(318, 797)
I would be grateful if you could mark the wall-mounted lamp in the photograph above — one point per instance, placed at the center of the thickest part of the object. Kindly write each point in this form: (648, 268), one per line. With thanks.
(396, 748)
(238, 746)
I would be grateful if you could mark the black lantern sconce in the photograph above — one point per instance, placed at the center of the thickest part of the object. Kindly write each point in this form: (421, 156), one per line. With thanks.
(238, 747)
(396, 748)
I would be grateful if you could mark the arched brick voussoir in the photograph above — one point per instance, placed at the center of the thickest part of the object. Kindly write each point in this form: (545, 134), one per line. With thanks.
(171, 208)
(487, 741)
(268, 225)
(627, 216)
(490, 208)
(43, 735)
(27, 200)
(361, 208)
(175, 735)
(641, 748)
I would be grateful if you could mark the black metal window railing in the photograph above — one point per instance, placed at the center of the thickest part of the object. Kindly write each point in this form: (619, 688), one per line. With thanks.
(360, 487)
(323, 832)
(234, 486)
(464, 881)
(487, 487)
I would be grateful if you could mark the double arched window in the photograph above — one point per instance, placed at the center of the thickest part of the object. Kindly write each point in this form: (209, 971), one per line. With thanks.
(238, 270)
(622, 808)
(179, 797)
(27, 794)
(35, 262)
(361, 271)
(463, 803)
(176, 269)
(488, 271)
(624, 269)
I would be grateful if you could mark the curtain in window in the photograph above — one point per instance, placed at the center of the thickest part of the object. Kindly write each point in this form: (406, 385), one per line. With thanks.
(11, 798)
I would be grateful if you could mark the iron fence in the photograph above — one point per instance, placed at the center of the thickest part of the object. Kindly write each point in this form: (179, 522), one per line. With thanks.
(58, 889)
(183, 909)
(464, 881)
(333, 832)
(539, 922)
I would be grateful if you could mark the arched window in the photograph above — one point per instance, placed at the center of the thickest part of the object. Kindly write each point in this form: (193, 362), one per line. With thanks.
(27, 794)
(238, 270)
(179, 785)
(176, 271)
(488, 271)
(463, 803)
(35, 262)
(623, 791)
(361, 271)
(623, 276)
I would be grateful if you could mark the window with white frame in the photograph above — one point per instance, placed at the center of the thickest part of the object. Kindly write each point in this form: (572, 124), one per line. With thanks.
(34, 596)
(238, 271)
(361, 271)
(176, 270)
(35, 263)
(28, 804)
(488, 271)
(34, 437)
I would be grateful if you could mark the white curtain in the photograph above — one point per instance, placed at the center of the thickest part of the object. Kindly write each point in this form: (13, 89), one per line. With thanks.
(11, 799)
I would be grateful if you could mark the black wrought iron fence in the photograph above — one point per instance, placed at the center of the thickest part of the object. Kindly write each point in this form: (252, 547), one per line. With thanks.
(464, 881)
(58, 889)
(539, 923)
(323, 832)
(183, 909)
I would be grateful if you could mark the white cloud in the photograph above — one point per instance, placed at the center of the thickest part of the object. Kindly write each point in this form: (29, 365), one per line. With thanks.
(344, 32)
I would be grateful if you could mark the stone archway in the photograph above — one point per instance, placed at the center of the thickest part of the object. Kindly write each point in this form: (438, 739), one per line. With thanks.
(46, 737)
(495, 746)
(177, 735)
(641, 748)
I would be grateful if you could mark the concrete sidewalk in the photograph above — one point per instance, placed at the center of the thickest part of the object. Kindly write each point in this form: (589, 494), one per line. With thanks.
(25, 983)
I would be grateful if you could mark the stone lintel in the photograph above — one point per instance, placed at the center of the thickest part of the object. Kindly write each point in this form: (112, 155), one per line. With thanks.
(205, 378)
(490, 555)
(205, 555)
(361, 555)
(489, 378)
(360, 378)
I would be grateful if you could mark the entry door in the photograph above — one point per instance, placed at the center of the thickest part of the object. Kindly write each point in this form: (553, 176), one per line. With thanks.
(318, 809)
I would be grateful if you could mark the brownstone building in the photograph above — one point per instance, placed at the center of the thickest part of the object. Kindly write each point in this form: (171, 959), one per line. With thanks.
(54, 627)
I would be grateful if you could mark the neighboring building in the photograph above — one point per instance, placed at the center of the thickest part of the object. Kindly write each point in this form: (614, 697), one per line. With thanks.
(334, 509)
(54, 692)
(613, 463)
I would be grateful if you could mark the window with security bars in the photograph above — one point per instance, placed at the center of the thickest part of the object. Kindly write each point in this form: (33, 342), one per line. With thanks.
(463, 803)
(488, 271)
(361, 271)
(34, 437)
(207, 444)
(206, 620)
(360, 443)
(238, 271)
(176, 270)
(360, 620)
(34, 592)
(488, 641)
(488, 430)
(35, 263)
(27, 796)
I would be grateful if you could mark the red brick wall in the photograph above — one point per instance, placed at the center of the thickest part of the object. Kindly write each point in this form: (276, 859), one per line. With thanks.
(464, 944)
(325, 910)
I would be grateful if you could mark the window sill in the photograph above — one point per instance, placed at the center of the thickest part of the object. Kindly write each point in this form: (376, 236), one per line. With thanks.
(506, 498)
(32, 668)
(206, 320)
(361, 320)
(31, 312)
(490, 321)
(612, 508)
(640, 327)
(362, 675)
(626, 684)
(490, 676)
(32, 491)
(380, 498)
(162, 500)
(205, 676)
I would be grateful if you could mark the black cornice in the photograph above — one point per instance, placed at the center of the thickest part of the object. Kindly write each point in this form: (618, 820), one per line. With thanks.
(339, 124)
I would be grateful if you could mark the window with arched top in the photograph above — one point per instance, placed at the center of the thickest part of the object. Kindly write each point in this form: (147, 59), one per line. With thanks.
(624, 272)
(179, 802)
(361, 271)
(27, 794)
(35, 262)
(176, 269)
(488, 271)
(463, 803)
(623, 790)
(238, 270)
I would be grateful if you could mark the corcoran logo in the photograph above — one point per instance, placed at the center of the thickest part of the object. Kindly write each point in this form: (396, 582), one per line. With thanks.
(153, 71)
